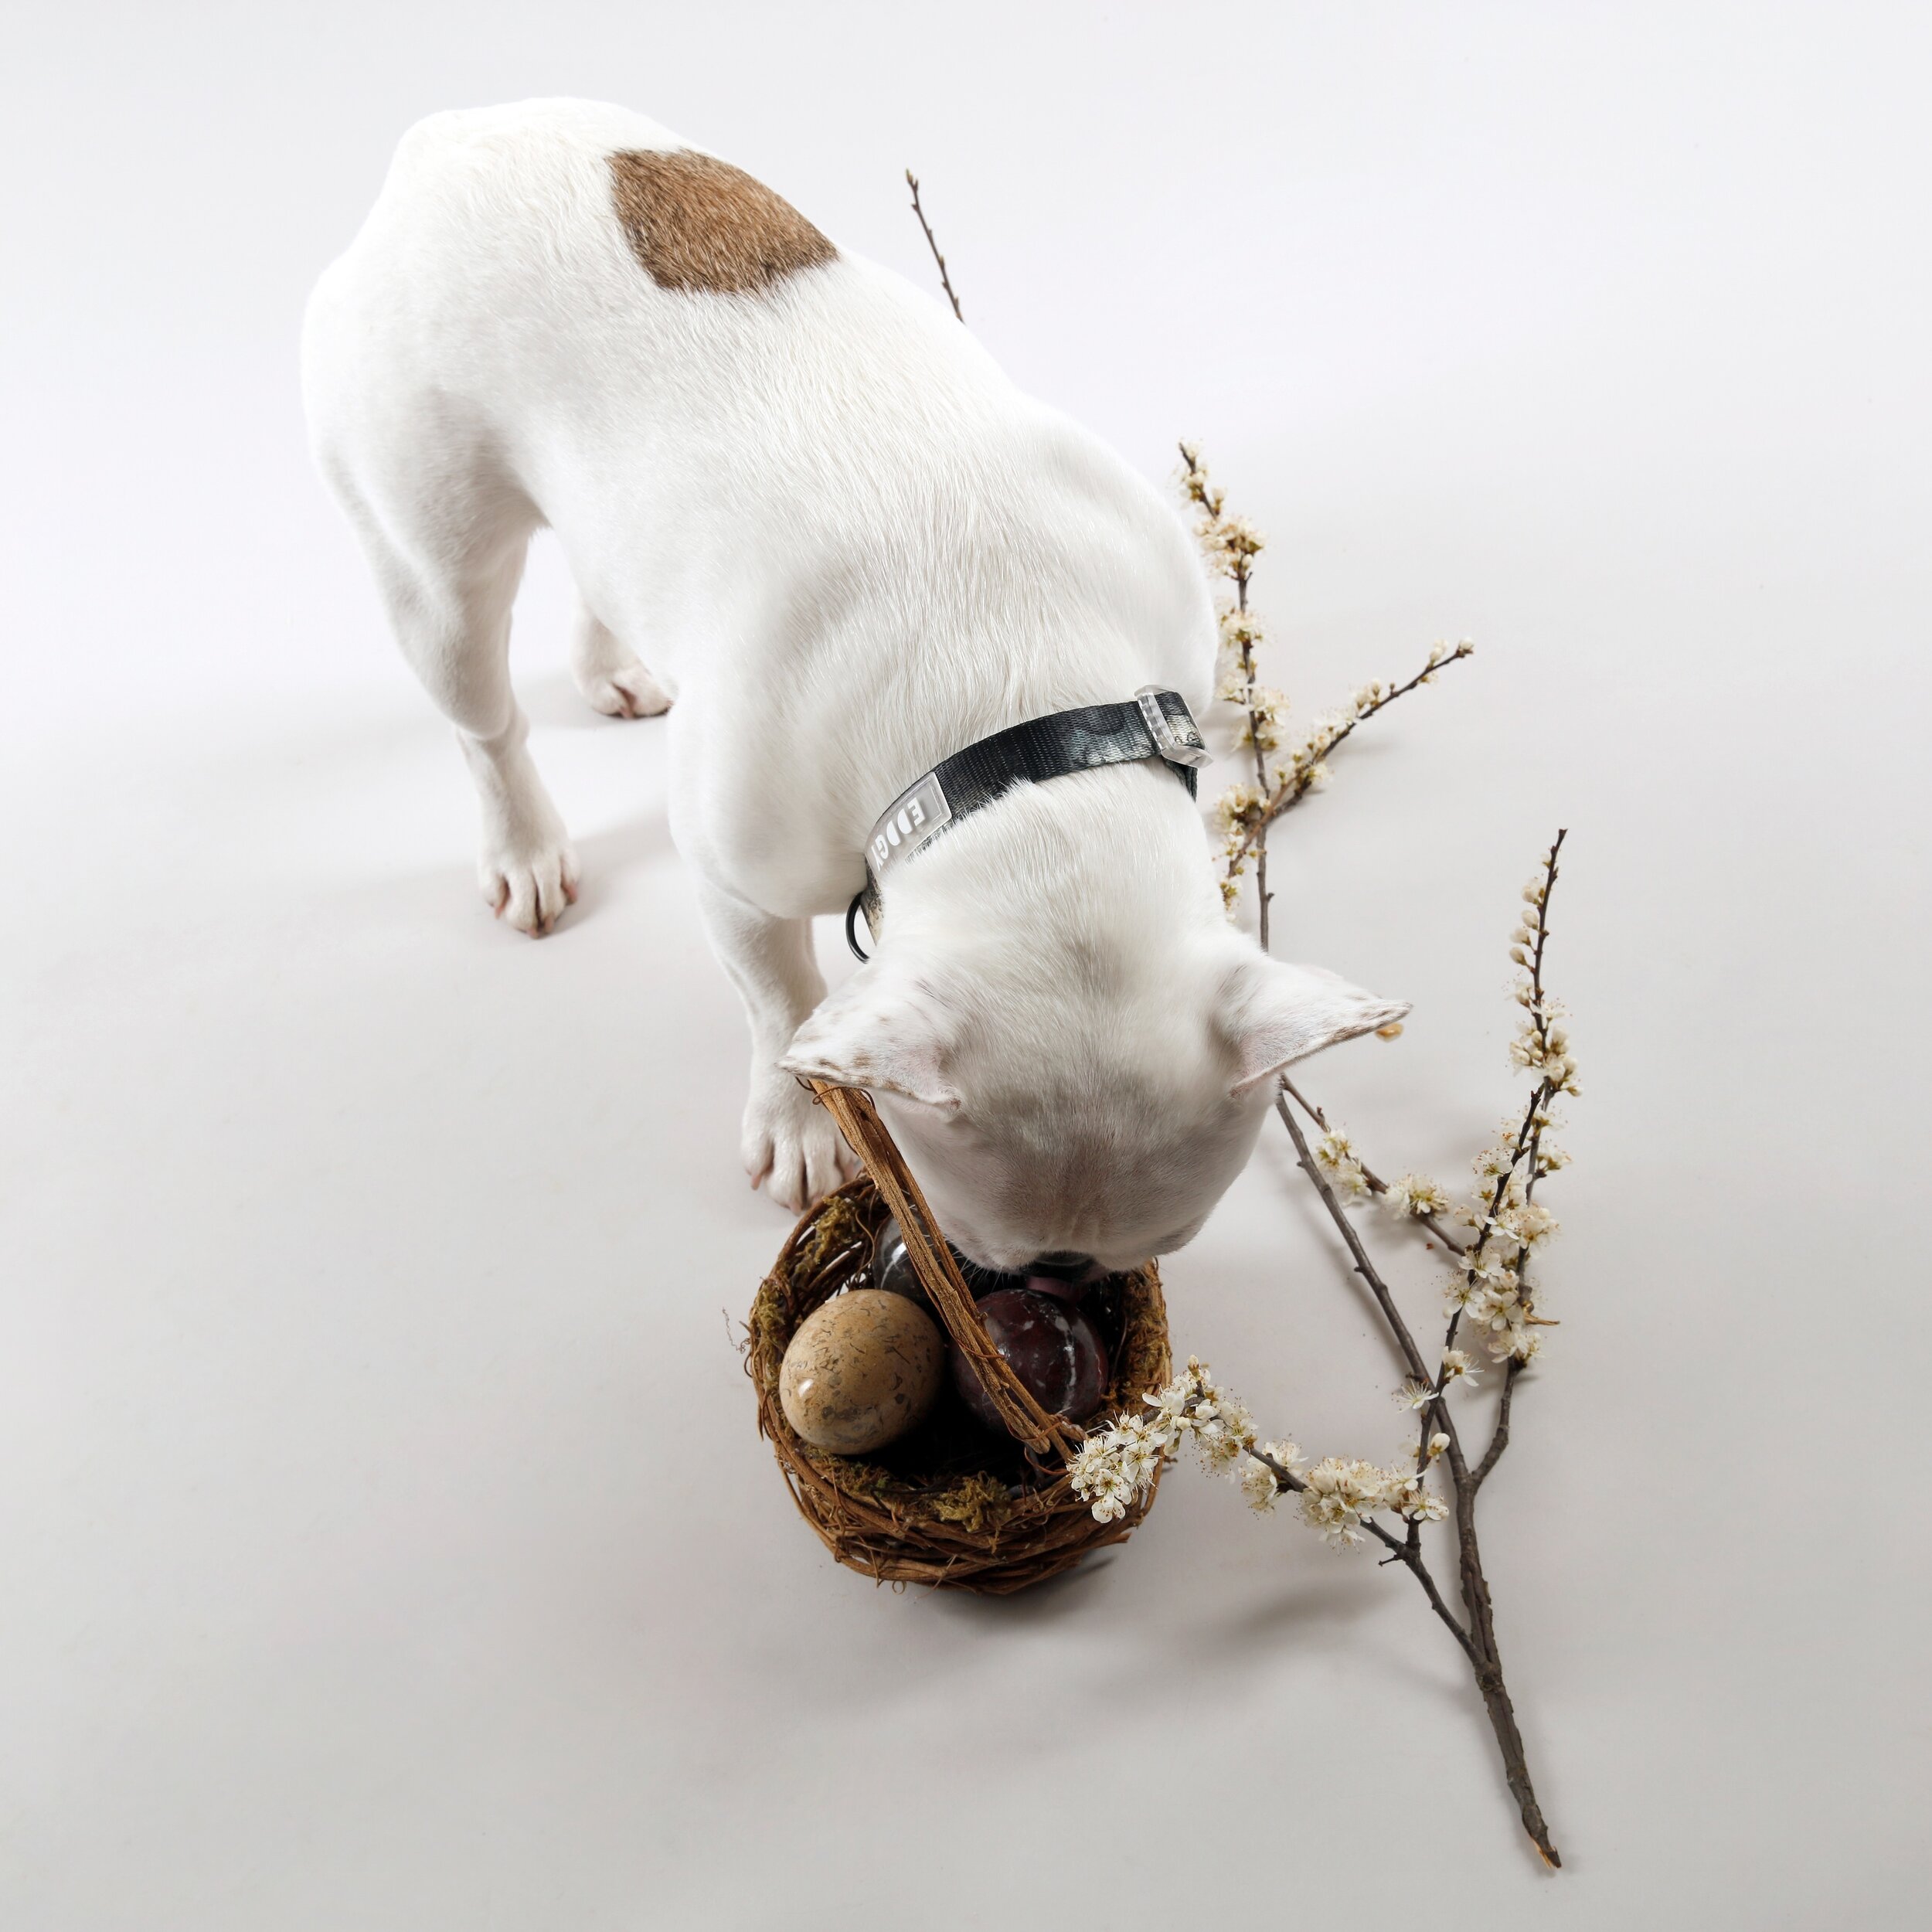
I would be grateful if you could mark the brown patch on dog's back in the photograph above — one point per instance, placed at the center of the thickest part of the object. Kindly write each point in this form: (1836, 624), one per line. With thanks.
(700, 223)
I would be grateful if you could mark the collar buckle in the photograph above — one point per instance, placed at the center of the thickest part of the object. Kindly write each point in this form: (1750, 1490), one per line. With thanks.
(1176, 737)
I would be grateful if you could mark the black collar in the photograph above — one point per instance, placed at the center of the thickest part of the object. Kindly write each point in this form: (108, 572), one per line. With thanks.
(1154, 723)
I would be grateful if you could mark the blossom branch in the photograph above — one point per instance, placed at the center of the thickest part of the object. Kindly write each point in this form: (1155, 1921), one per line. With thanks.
(1492, 1286)
(1117, 1465)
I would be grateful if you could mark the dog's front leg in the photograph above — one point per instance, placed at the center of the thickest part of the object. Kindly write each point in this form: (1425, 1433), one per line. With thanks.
(790, 1143)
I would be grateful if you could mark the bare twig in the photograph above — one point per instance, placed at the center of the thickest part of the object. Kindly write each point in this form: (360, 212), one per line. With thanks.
(945, 281)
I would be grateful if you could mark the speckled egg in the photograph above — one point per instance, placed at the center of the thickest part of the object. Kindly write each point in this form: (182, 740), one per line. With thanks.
(863, 1369)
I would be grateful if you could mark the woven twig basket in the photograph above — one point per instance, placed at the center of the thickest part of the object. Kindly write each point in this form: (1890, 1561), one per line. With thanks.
(995, 1517)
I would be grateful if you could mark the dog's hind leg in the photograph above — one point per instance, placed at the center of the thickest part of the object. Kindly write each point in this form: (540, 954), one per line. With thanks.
(445, 533)
(607, 672)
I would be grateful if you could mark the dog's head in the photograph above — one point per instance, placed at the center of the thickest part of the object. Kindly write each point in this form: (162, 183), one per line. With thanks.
(1101, 1109)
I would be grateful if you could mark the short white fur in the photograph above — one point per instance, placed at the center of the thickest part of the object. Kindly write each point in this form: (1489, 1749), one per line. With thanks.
(846, 547)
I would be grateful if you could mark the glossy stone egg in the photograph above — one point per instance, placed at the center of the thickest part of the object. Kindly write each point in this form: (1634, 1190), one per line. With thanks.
(1053, 1348)
(892, 1269)
(891, 1266)
(863, 1369)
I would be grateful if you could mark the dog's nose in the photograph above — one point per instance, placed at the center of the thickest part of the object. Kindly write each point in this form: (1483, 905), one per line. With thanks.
(1062, 1266)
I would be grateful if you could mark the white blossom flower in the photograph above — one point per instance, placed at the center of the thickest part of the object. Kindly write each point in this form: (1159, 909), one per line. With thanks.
(1458, 1366)
(1525, 1225)
(1422, 1506)
(1239, 627)
(1229, 543)
(1338, 1495)
(1335, 1155)
(1221, 1429)
(1258, 1485)
(1262, 709)
(1415, 1393)
(1195, 485)
(1116, 1467)
(1495, 1160)
(1416, 1194)
(1236, 807)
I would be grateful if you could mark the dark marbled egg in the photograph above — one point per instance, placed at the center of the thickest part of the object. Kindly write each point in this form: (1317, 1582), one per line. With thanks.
(1052, 1348)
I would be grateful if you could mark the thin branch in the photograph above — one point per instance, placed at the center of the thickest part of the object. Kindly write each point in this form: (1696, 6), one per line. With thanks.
(1411, 1555)
(945, 280)
(1528, 1145)
(1300, 781)
(1500, 1441)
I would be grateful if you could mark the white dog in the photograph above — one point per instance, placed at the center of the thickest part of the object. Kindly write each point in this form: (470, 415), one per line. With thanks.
(798, 492)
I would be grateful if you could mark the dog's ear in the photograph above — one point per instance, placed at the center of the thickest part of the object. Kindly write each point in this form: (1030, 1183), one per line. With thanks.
(1274, 1015)
(877, 1034)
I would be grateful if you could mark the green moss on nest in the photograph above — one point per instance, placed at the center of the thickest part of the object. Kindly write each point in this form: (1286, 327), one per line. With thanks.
(1141, 1363)
(770, 1329)
(976, 1503)
(838, 1226)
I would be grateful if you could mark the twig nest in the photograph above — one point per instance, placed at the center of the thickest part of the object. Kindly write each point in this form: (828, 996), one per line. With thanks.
(1049, 1344)
(862, 1369)
(949, 1505)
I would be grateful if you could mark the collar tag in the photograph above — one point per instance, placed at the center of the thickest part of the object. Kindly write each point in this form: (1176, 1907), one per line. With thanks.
(907, 823)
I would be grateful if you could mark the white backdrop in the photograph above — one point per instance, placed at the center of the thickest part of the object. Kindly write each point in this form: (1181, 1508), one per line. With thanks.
(387, 1543)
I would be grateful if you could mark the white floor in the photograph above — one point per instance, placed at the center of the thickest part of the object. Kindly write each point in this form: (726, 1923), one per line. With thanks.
(386, 1541)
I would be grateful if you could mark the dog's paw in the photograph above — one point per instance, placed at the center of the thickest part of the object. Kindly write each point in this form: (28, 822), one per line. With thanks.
(791, 1147)
(529, 890)
(626, 691)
